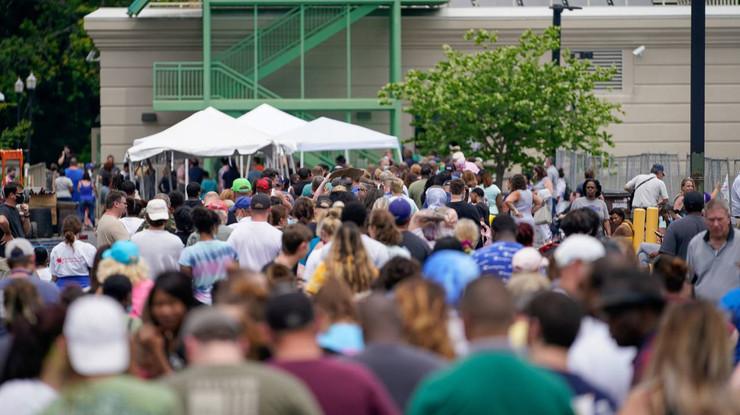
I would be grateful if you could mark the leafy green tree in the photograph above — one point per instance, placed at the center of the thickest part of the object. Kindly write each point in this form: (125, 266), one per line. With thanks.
(47, 37)
(506, 103)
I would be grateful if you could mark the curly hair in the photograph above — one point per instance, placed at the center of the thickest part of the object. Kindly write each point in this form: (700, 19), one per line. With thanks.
(518, 182)
(303, 210)
(135, 272)
(347, 259)
(384, 226)
(424, 314)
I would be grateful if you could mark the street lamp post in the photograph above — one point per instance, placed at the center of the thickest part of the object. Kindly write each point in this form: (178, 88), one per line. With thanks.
(31, 86)
(18, 87)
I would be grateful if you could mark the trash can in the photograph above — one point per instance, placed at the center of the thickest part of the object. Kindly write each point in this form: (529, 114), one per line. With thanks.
(42, 218)
(617, 200)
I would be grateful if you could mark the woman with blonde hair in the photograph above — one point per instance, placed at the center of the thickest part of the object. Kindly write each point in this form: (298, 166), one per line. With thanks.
(424, 314)
(690, 368)
(347, 259)
(382, 228)
(468, 233)
(123, 258)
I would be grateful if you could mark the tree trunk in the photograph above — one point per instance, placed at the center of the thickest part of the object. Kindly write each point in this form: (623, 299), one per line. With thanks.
(500, 171)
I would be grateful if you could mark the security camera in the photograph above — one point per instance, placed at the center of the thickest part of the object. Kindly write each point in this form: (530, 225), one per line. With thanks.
(639, 51)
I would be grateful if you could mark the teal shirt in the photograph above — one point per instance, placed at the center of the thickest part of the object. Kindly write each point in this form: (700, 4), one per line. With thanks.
(491, 382)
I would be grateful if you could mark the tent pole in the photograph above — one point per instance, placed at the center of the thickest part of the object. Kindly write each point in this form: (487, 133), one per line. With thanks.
(187, 171)
(346, 156)
(249, 163)
(241, 165)
(301, 158)
(172, 167)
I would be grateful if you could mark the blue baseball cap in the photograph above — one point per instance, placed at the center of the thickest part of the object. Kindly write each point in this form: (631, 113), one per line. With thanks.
(400, 209)
(243, 202)
(453, 270)
(123, 252)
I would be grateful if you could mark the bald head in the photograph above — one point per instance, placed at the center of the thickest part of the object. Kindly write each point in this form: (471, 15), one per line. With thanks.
(380, 319)
(487, 308)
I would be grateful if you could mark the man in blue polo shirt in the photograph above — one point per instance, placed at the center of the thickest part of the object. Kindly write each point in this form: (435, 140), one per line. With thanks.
(496, 258)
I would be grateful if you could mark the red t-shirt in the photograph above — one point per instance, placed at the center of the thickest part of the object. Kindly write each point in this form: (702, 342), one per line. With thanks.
(341, 387)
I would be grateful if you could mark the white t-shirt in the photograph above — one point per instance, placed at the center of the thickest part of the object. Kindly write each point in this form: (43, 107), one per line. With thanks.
(160, 250)
(735, 197)
(649, 193)
(71, 261)
(131, 224)
(257, 243)
(597, 358)
(62, 184)
(25, 396)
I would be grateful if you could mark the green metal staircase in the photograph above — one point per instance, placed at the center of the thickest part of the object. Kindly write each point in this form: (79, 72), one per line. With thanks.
(281, 42)
(233, 71)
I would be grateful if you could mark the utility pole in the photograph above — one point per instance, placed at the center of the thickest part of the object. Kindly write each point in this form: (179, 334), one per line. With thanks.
(698, 37)
(557, 12)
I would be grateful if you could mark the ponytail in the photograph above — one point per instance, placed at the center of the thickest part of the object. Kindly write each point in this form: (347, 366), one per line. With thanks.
(71, 227)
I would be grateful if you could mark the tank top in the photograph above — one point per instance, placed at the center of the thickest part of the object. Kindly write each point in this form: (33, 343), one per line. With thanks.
(86, 192)
(524, 206)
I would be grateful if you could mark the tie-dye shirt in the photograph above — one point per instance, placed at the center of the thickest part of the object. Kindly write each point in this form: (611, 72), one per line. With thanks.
(208, 261)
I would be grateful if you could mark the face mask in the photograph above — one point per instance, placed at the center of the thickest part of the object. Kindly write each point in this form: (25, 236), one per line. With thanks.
(292, 221)
(20, 198)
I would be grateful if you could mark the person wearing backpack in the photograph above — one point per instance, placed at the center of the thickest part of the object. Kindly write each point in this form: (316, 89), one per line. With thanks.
(648, 190)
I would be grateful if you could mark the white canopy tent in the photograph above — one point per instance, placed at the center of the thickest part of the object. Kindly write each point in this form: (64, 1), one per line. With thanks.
(274, 122)
(207, 133)
(270, 120)
(323, 134)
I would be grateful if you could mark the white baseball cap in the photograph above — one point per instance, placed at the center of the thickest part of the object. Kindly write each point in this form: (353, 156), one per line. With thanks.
(528, 260)
(96, 336)
(579, 247)
(156, 209)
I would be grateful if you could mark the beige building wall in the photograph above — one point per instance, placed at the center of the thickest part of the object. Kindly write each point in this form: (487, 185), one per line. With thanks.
(654, 93)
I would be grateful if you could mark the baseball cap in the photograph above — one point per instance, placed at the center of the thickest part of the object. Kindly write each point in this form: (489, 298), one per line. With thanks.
(124, 252)
(453, 270)
(18, 247)
(243, 202)
(96, 336)
(263, 185)
(400, 209)
(693, 201)
(208, 323)
(323, 202)
(241, 185)
(528, 260)
(288, 311)
(657, 168)
(156, 209)
(217, 205)
(579, 247)
(260, 202)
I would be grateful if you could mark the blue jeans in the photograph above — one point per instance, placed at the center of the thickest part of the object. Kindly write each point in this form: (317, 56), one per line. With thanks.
(90, 206)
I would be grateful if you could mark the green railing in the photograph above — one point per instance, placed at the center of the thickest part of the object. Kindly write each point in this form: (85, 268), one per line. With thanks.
(176, 81)
(184, 81)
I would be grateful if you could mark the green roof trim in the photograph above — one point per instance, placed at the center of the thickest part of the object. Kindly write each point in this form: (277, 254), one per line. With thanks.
(136, 7)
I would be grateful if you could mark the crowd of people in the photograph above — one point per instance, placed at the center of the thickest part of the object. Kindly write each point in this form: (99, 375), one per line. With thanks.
(419, 287)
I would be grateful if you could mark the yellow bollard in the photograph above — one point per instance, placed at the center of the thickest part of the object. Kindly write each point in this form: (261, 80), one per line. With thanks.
(651, 225)
(638, 225)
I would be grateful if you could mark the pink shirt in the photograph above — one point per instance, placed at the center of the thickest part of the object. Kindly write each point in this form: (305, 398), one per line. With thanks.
(139, 295)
